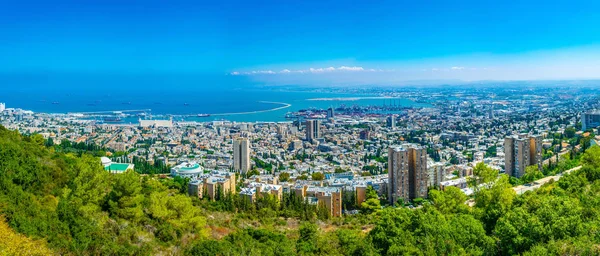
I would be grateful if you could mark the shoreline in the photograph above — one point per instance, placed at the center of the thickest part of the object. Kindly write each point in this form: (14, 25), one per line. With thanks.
(354, 98)
(284, 106)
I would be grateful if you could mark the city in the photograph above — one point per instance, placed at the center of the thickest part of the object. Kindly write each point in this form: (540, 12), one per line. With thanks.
(222, 128)
(399, 155)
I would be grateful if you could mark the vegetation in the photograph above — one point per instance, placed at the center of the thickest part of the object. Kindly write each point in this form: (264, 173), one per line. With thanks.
(65, 203)
(79, 208)
(12, 243)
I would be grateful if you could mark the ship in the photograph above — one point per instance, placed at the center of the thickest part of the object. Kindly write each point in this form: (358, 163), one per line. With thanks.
(55, 103)
(186, 104)
(203, 115)
(111, 119)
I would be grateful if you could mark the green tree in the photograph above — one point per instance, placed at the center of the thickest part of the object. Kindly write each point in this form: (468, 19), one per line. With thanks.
(284, 177)
(451, 200)
(482, 175)
(318, 176)
(307, 243)
(125, 200)
(532, 173)
(570, 132)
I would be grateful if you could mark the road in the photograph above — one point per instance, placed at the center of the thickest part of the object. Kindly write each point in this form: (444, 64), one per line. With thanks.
(538, 183)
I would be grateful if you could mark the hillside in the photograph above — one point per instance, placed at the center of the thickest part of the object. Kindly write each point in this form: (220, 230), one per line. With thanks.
(68, 203)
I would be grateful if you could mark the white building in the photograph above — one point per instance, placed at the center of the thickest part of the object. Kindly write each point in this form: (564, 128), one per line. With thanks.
(590, 120)
(156, 123)
(187, 170)
(2, 107)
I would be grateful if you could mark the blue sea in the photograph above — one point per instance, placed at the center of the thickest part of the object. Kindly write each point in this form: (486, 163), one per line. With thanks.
(165, 94)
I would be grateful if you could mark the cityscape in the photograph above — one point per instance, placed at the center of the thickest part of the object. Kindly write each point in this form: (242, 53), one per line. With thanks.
(299, 128)
(399, 155)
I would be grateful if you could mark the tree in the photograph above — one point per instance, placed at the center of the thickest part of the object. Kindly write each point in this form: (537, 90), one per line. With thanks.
(532, 173)
(318, 176)
(307, 242)
(482, 174)
(126, 198)
(451, 200)
(12, 243)
(493, 201)
(284, 177)
(371, 203)
(570, 132)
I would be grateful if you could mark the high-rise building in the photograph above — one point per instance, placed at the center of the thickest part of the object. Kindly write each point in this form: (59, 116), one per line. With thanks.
(365, 134)
(2, 107)
(408, 176)
(520, 152)
(590, 120)
(312, 130)
(241, 155)
(391, 121)
(282, 131)
(330, 113)
(436, 174)
(491, 113)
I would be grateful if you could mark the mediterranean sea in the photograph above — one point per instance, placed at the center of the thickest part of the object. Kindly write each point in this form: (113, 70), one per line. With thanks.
(224, 98)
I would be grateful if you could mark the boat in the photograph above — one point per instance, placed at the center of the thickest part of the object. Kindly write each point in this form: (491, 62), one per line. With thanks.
(55, 103)
(186, 104)
(203, 115)
(111, 119)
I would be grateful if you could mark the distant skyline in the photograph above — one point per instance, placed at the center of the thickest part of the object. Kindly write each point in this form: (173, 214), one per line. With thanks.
(307, 42)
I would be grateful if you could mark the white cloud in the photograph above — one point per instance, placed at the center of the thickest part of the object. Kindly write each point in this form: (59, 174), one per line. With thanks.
(310, 70)
(457, 68)
(351, 68)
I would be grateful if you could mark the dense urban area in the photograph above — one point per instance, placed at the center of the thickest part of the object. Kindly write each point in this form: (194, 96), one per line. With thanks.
(484, 170)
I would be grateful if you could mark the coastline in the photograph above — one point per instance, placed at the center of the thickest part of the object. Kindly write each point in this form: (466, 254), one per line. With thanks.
(284, 105)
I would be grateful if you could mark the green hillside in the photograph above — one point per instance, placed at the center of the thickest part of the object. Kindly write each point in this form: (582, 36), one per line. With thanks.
(71, 202)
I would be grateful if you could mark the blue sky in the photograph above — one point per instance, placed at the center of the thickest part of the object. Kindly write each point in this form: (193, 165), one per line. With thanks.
(280, 41)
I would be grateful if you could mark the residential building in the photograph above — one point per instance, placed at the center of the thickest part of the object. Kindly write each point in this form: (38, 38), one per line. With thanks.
(391, 121)
(328, 197)
(255, 190)
(212, 185)
(520, 152)
(312, 130)
(330, 113)
(241, 155)
(365, 135)
(407, 172)
(590, 120)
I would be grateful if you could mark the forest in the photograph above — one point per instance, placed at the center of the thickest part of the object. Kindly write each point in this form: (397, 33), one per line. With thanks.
(63, 202)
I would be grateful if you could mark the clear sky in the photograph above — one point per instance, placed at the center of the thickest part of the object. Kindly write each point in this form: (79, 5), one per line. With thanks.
(299, 42)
